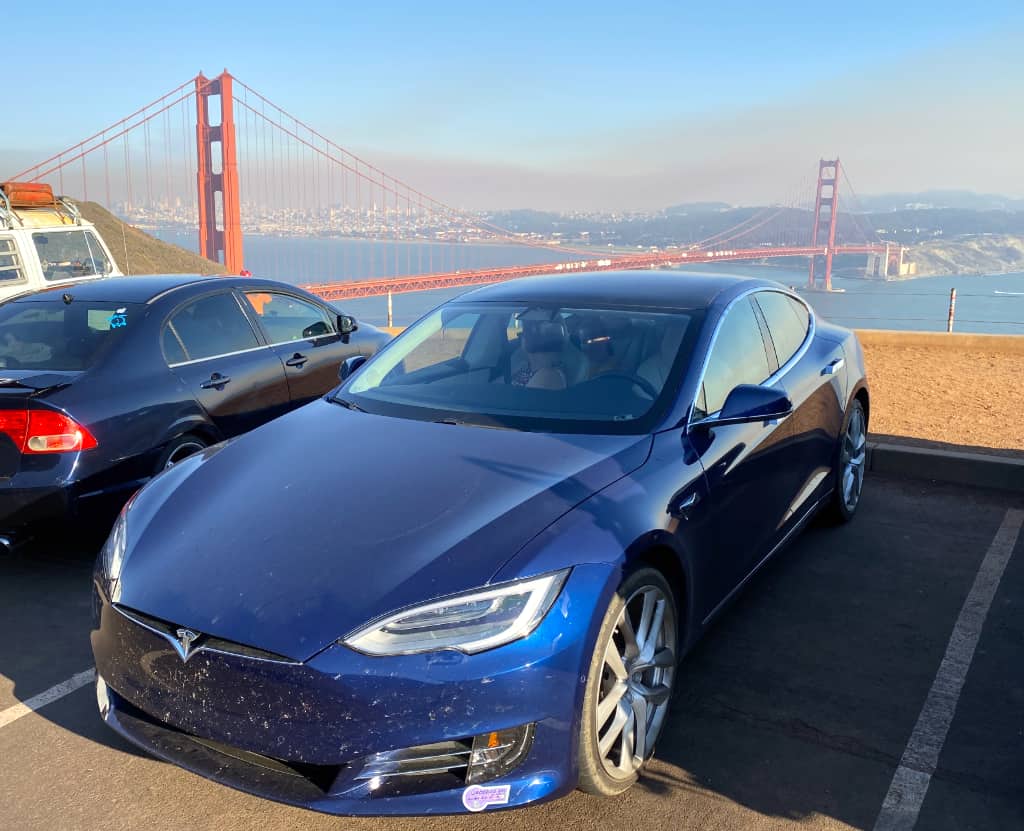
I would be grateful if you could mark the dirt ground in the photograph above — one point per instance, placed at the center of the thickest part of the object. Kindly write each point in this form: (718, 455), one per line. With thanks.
(971, 396)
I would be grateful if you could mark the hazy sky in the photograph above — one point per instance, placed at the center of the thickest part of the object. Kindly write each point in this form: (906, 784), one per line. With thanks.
(563, 104)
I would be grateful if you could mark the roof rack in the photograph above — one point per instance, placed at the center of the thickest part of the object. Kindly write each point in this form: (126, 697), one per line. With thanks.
(7, 214)
(33, 196)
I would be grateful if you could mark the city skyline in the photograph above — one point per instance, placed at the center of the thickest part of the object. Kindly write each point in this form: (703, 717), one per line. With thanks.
(579, 108)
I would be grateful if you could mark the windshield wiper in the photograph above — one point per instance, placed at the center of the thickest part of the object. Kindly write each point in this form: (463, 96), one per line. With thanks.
(348, 405)
(460, 423)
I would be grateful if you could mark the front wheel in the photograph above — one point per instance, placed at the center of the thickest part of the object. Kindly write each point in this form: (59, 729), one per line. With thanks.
(629, 685)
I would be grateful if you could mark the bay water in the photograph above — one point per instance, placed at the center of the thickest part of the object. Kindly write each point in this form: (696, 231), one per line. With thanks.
(991, 303)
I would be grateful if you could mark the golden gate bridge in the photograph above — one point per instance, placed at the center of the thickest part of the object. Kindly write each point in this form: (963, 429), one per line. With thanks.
(216, 155)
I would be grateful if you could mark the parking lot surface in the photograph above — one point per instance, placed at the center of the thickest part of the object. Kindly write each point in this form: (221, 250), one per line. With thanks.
(796, 710)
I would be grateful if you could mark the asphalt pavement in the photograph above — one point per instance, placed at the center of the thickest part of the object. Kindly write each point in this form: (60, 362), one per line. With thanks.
(797, 709)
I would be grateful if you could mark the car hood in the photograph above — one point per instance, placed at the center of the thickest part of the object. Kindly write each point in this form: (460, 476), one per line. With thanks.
(325, 519)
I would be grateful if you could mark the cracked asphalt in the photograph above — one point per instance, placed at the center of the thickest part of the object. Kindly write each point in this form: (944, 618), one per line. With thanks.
(794, 711)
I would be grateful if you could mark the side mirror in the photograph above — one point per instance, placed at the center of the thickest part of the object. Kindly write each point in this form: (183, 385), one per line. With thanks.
(350, 365)
(750, 402)
(316, 330)
(347, 324)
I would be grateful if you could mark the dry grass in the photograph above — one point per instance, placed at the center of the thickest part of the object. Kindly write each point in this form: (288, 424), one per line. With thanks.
(970, 396)
(145, 254)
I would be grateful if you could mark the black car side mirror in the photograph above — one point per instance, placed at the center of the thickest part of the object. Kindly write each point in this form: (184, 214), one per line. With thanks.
(347, 324)
(316, 330)
(750, 402)
(350, 365)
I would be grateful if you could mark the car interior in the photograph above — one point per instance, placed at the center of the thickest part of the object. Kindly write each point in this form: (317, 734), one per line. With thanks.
(592, 363)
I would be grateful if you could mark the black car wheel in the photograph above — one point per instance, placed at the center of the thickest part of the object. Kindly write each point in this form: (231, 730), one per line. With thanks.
(850, 465)
(181, 448)
(629, 686)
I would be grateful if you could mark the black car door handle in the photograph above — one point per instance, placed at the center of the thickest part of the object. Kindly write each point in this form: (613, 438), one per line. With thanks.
(215, 382)
(297, 360)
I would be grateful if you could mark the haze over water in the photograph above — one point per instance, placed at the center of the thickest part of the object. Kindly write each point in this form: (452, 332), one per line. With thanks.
(920, 304)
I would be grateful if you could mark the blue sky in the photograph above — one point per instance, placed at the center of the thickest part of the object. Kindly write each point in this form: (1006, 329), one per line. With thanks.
(563, 104)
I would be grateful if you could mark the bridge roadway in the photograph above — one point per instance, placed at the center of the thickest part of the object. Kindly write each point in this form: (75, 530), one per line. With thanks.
(793, 712)
(664, 259)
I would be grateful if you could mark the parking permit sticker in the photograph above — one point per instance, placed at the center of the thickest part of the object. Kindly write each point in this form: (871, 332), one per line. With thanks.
(119, 319)
(478, 797)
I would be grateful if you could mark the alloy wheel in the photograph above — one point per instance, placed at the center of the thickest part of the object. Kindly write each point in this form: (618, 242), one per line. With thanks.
(182, 451)
(636, 682)
(852, 459)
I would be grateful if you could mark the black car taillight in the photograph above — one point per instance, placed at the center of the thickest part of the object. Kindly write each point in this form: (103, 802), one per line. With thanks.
(45, 431)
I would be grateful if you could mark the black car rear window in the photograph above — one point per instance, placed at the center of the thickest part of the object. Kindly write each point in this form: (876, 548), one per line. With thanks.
(62, 336)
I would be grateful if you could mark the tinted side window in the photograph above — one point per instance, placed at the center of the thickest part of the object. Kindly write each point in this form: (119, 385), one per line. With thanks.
(287, 318)
(213, 325)
(738, 356)
(173, 353)
(787, 321)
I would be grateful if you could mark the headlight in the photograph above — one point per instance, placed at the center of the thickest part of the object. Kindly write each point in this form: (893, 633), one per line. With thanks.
(469, 622)
(112, 555)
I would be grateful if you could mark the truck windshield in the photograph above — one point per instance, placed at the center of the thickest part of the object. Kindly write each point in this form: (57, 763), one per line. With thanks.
(61, 337)
(70, 254)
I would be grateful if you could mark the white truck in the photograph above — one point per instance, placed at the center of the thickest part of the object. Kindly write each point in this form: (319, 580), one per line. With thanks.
(44, 241)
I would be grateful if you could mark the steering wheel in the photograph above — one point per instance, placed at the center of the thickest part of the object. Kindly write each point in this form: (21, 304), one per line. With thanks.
(643, 383)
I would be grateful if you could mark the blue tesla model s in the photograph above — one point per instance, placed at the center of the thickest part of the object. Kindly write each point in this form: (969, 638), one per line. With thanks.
(465, 578)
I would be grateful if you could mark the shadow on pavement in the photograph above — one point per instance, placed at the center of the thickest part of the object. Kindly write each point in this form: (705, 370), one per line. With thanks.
(45, 613)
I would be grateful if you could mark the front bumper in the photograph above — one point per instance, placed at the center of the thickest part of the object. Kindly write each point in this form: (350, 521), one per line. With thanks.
(305, 733)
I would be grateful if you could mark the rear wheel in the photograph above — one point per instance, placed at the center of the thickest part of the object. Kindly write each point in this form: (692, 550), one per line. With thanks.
(181, 448)
(629, 686)
(850, 466)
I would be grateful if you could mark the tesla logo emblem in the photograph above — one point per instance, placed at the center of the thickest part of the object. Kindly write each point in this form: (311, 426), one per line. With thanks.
(186, 638)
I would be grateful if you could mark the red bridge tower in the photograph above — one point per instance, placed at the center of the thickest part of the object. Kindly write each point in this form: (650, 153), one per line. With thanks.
(220, 231)
(827, 197)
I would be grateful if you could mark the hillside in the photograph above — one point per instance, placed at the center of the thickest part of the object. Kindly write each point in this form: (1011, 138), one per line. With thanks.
(136, 252)
(974, 255)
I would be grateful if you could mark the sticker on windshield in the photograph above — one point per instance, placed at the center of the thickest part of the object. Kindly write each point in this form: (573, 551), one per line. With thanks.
(119, 319)
(478, 797)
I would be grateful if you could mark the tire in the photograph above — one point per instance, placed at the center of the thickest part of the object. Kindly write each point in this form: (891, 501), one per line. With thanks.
(636, 684)
(849, 467)
(180, 448)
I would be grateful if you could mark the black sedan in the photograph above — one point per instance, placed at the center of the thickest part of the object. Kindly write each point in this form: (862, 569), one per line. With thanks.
(104, 384)
(464, 580)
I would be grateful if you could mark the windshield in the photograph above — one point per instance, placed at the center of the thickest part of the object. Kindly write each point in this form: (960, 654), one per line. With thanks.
(548, 368)
(68, 255)
(61, 337)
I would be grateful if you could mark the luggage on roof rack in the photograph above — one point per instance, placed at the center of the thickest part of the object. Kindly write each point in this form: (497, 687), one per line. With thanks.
(29, 195)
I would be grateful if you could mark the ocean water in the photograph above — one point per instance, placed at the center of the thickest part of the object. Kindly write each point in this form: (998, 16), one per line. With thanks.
(985, 303)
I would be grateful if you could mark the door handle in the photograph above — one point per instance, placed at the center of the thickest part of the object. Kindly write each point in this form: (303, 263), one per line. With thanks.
(834, 367)
(215, 382)
(680, 507)
(297, 360)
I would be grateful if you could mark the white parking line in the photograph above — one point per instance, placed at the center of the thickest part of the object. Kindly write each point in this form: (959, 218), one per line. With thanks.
(920, 758)
(12, 714)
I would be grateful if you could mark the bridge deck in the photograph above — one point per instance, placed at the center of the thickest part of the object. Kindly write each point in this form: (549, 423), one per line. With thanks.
(664, 259)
